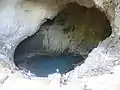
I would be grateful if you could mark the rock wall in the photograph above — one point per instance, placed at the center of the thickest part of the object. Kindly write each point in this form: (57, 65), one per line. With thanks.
(21, 18)
(75, 30)
(103, 58)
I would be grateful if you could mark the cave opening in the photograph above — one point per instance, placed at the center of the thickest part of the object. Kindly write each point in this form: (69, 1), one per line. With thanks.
(63, 42)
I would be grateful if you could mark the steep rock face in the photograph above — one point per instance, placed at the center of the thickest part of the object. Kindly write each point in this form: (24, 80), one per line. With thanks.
(21, 18)
(75, 30)
(103, 58)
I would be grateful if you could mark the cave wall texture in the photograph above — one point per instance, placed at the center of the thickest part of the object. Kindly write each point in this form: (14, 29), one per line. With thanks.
(75, 30)
(22, 18)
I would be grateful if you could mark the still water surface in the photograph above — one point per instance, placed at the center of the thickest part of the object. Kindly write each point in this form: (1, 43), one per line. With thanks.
(42, 66)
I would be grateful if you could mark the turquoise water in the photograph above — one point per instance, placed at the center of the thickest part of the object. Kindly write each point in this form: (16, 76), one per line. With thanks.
(42, 66)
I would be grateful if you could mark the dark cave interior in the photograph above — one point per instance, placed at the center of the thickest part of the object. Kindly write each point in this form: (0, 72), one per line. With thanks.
(63, 42)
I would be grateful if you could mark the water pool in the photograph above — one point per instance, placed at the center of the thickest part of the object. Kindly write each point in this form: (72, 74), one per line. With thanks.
(42, 66)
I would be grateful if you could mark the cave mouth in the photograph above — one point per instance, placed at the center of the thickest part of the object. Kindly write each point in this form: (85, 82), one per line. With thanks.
(64, 42)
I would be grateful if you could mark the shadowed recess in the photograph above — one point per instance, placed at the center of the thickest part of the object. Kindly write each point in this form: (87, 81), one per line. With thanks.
(63, 42)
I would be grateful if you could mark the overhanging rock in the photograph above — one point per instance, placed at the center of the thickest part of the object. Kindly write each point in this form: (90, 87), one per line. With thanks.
(20, 19)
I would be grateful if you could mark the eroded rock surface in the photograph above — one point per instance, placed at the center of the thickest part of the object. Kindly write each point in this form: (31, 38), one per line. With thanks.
(75, 30)
(21, 18)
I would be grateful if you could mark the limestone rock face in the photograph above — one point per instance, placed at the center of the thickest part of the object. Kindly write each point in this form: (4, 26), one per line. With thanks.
(75, 30)
(86, 3)
(22, 18)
